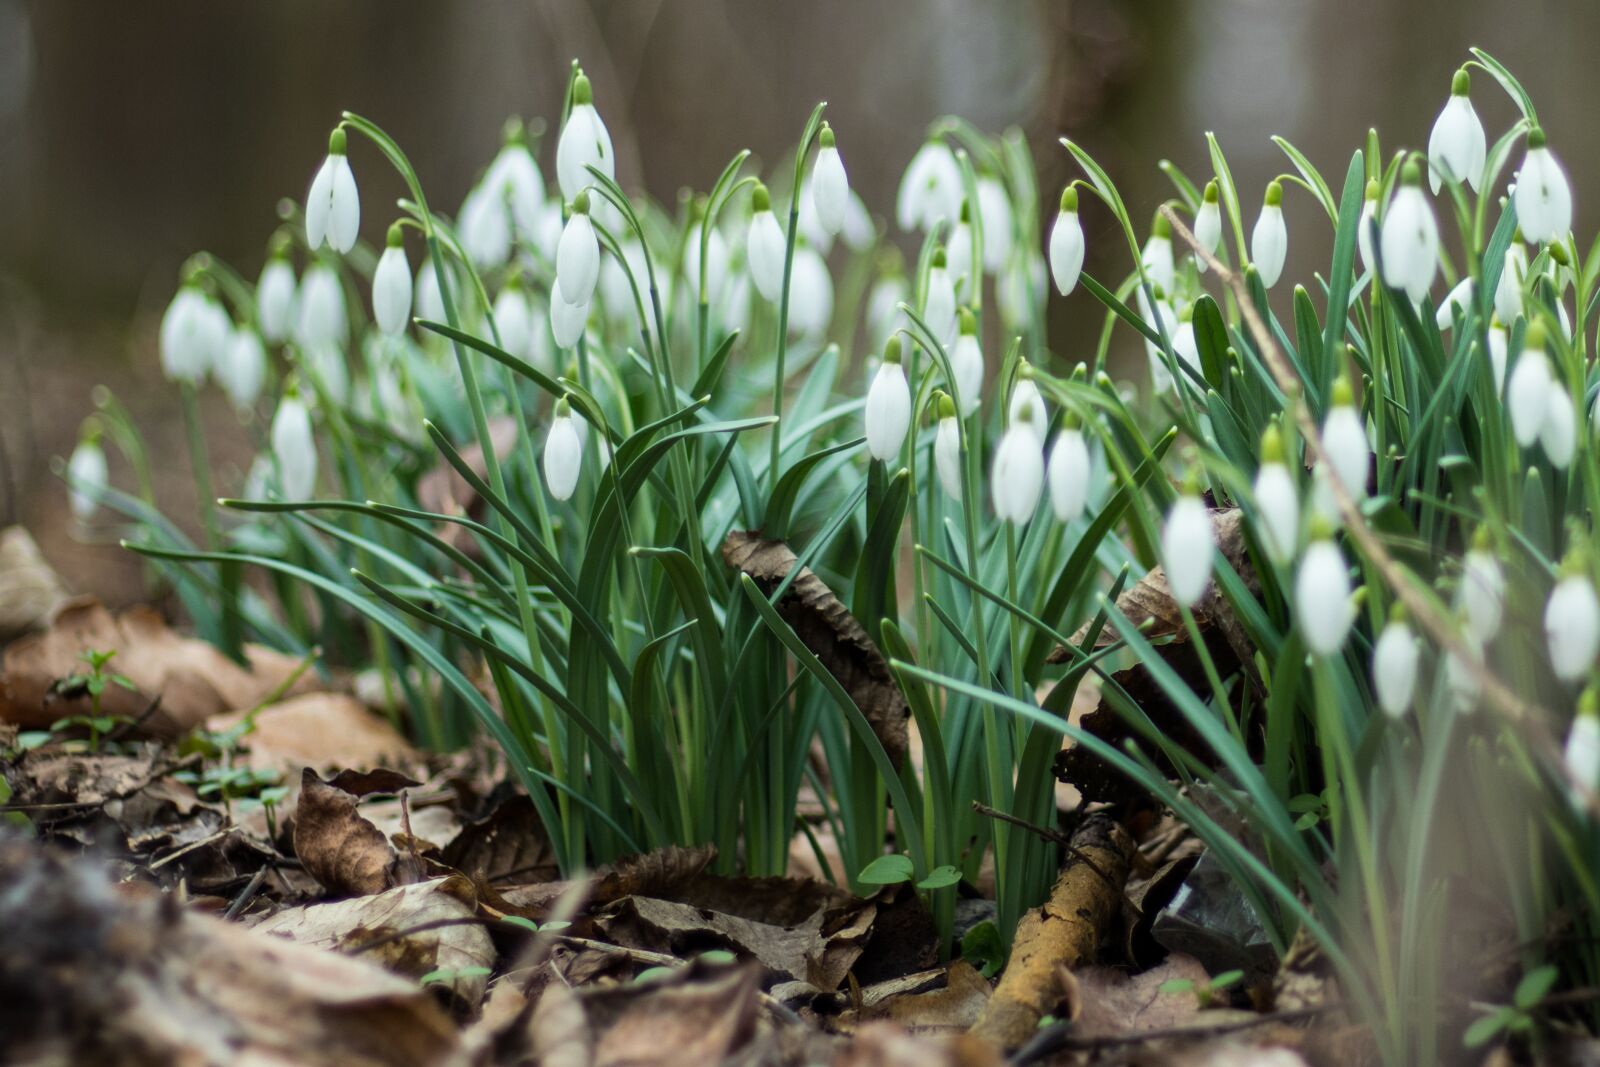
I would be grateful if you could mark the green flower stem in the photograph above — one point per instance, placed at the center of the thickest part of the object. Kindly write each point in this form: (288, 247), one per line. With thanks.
(201, 462)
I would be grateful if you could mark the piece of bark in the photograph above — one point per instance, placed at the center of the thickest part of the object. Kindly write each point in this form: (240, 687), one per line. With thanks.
(834, 636)
(1065, 932)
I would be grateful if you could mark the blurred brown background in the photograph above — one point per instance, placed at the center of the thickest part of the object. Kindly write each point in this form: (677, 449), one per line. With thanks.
(134, 134)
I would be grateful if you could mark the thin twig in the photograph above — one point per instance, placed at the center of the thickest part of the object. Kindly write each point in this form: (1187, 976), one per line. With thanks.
(1065, 842)
(1048, 1042)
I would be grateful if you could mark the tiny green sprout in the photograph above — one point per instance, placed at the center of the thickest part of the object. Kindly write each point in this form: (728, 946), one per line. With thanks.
(886, 870)
(451, 975)
(983, 948)
(717, 956)
(651, 974)
(1212, 192)
(1069, 200)
(1274, 195)
(1515, 1018)
(1206, 992)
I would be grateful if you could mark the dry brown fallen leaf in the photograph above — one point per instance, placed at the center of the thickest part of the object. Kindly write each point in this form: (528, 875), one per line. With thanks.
(340, 848)
(320, 730)
(684, 1019)
(29, 588)
(833, 635)
(886, 1044)
(191, 679)
(956, 1007)
(659, 873)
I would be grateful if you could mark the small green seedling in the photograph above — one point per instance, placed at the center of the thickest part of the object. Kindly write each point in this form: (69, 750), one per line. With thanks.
(451, 975)
(1517, 1017)
(984, 948)
(533, 927)
(93, 681)
(1208, 992)
(895, 869)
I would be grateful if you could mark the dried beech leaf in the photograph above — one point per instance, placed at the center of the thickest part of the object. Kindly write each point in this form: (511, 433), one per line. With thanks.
(955, 1007)
(339, 847)
(887, 1044)
(321, 730)
(684, 1020)
(559, 1034)
(832, 634)
(509, 843)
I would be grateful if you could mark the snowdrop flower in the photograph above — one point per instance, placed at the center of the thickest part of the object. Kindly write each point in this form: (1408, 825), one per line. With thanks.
(930, 189)
(764, 246)
(860, 232)
(1322, 598)
(1026, 405)
(514, 181)
(1394, 665)
(1069, 473)
(1018, 475)
(1157, 256)
(888, 410)
(947, 447)
(1542, 195)
(884, 316)
(1344, 438)
(1457, 301)
(484, 226)
(1572, 622)
(716, 262)
(87, 473)
(1497, 355)
(830, 187)
(563, 453)
(1160, 318)
(810, 294)
(294, 448)
(1277, 500)
(1269, 241)
(1508, 289)
(243, 368)
(1527, 393)
(958, 254)
(1582, 751)
(513, 318)
(939, 303)
(333, 207)
(616, 287)
(567, 320)
(1558, 434)
(322, 319)
(1460, 679)
(391, 284)
(275, 296)
(1020, 289)
(1183, 342)
(584, 142)
(1187, 547)
(1364, 226)
(1456, 147)
(1482, 590)
(578, 254)
(326, 365)
(1208, 224)
(966, 365)
(1066, 243)
(994, 209)
(1410, 238)
(194, 334)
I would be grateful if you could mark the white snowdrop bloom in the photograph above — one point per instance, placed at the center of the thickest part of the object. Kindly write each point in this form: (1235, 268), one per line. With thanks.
(243, 368)
(1558, 435)
(947, 448)
(810, 294)
(325, 362)
(1364, 227)
(1069, 474)
(429, 302)
(1460, 680)
(1527, 392)
(1508, 289)
(860, 232)
(1269, 241)
(617, 290)
(958, 256)
(930, 189)
(966, 365)
(1066, 243)
(1157, 258)
(1457, 146)
(1497, 355)
(275, 299)
(578, 255)
(1027, 406)
(194, 335)
(1542, 195)
(1322, 598)
(1394, 667)
(1208, 224)
(1017, 479)
(86, 475)
(1277, 500)
(1572, 626)
(1581, 753)
(333, 207)
(563, 453)
(994, 210)
(1456, 302)
(1344, 438)
(1482, 591)
(547, 230)
(294, 448)
(584, 142)
(567, 320)
(391, 285)
(830, 187)
(513, 319)
(1160, 317)
(1184, 344)
(716, 262)
(883, 307)
(888, 411)
(939, 304)
(541, 345)
(322, 319)
(808, 227)
(765, 247)
(1410, 238)
(1020, 289)
(1188, 543)
(484, 227)
(515, 180)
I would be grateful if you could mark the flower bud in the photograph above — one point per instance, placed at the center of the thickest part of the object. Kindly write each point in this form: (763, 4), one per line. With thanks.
(1269, 241)
(1457, 146)
(1394, 666)
(1543, 197)
(1066, 243)
(333, 206)
(1018, 475)
(1069, 473)
(1322, 598)
(947, 448)
(391, 285)
(563, 453)
(888, 410)
(584, 142)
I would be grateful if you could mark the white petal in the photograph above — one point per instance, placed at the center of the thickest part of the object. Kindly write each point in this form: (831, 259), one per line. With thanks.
(1508, 288)
(584, 141)
(1582, 751)
(1158, 263)
(1269, 244)
(513, 320)
(1278, 502)
(295, 449)
(830, 189)
(1025, 398)
(319, 205)
(566, 320)
(1456, 147)
(275, 300)
(344, 213)
(1369, 210)
(994, 208)
(1410, 244)
(1497, 356)
(322, 318)
(563, 458)
(1482, 594)
(1207, 230)
(1069, 475)
(1527, 396)
(810, 295)
(1322, 598)
(947, 457)
(1066, 251)
(1394, 668)
(391, 290)
(765, 250)
(1187, 547)
(888, 412)
(1543, 198)
(939, 310)
(966, 364)
(1344, 436)
(1457, 301)
(243, 370)
(578, 260)
(484, 226)
(1017, 479)
(86, 473)
(1572, 627)
(716, 265)
(1558, 435)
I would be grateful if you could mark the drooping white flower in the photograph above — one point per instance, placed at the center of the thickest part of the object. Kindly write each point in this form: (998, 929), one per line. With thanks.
(888, 411)
(1572, 625)
(1208, 224)
(275, 298)
(86, 475)
(1157, 259)
(567, 320)
(1482, 591)
(1277, 500)
(1365, 226)
(1460, 678)
(429, 301)
(1322, 598)
(830, 187)
(1188, 543)
(1457, 146)
(322, 319)
(1344, 437)
(513, 319)
(242, 368)
(1508, 289)
(563, 453)
(966, 365)
(947, 448)
(584, 142)
(939, 305)
(1184, 345)
(391, 285)
(1069, 474)
(484, 227)
(884, 316)
(1527, 393)
(294, 448)
(1558, 434)
(578, 255)
(1017, 479)
(958, 255)
(1027, 406)
(810, 295)
(1458, 301)
(765, 246)
(1410, 238)
(716, 262)
(1160, 317)
(994, 209)
(1269, 241)
(618, 276)
(930, 189)
(1581, 754)
(515, 181)
(1394, 667)
(325, 364)
(1497, 355)
(333, 207)
(1066, 243)
(1542, 196)
(860, 232)
(194, 335)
